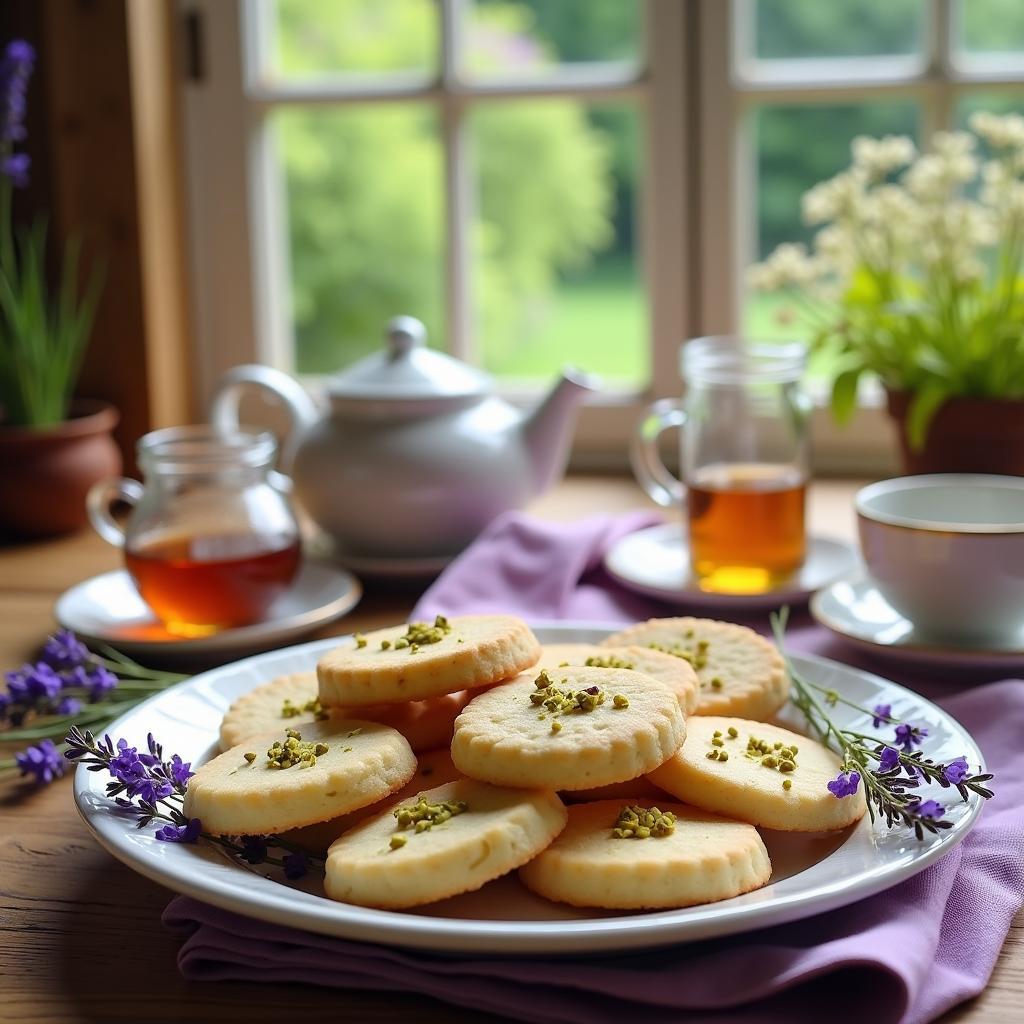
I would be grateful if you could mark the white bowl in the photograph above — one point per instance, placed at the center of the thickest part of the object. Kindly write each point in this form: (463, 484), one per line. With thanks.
(947, 551)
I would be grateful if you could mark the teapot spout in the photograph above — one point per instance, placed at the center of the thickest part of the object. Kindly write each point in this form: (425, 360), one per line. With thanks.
(547, 429)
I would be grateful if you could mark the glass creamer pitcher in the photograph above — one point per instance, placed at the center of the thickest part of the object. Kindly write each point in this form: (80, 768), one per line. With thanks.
(211, 541)
(743, 424)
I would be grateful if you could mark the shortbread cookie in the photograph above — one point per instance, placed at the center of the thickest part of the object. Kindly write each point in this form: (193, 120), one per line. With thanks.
(236, 794)
(290, 700)
(697, 858)
(433, 768)
(411, 662)
(740, 672)
(634, 791)
(452, 839)
(759, 773)
(568, 728)
(679, 675)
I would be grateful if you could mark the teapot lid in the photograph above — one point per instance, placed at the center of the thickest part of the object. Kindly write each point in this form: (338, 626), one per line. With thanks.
(407, 369)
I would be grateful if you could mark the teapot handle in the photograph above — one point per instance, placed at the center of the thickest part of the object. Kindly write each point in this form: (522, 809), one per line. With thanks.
(280, 388)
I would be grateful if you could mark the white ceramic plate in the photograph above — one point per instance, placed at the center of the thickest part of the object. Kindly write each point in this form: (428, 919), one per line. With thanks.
(109, 609)
(656, 562)
(855, 609)
(813, 873)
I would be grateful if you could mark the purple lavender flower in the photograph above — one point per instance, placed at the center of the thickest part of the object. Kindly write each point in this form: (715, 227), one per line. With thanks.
(5, 703)
(16, 167)
(882, 715)
(956, 771)
(31, 684)
(68, 706)
(254, 849)
(927, 809)
(132, 771)
(97, 681)
(889, 758)
(15, 70)
(65, 650)
(910, 736)
(44, 761)
(295, 866)
(180, 773)
(180, 833)
(844, 784)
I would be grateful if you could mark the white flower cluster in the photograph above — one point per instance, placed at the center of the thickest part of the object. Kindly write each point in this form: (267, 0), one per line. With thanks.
(910, 218)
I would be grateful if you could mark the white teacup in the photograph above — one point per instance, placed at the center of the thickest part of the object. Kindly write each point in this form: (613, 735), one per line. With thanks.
(947, 551)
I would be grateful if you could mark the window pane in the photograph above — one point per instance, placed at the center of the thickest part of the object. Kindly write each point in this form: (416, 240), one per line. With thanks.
(991, 27)
(531, 38)
(1009, 102)
(331, 37)
(794, 148)
(365, 226)
(556, 267)
(798, 29)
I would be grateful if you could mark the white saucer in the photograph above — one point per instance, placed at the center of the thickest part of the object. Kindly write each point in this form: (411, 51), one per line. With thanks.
(109, 609)
(854, 609)
(656, 562)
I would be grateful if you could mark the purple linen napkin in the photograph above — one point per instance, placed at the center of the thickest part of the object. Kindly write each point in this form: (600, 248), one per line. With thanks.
(905, 956)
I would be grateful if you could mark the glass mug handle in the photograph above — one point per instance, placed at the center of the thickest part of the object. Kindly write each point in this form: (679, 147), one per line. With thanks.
(101, 496)
(650, 471)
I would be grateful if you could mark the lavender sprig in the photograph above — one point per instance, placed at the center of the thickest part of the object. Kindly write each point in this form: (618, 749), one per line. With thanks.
(889, 772)
(68, 686)
(152, 788)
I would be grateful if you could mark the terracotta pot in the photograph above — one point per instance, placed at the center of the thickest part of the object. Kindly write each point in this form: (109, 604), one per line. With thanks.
(46, 472)
(967, 435)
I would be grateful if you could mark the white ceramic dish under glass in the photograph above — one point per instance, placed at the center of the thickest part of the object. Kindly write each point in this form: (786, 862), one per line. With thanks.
(108, 609)
(855, 610)
(813, 873)
(655, 562)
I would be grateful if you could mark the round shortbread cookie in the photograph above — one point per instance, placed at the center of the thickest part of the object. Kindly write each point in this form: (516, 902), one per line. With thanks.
(433, 768)
(747, 788)
(504, 737)
(631, 792)
(364, 762)
(740, 672)
(500, 830)
(679, 675)
(263, 709)
(477, 650)
(426, 724)
(705, 858)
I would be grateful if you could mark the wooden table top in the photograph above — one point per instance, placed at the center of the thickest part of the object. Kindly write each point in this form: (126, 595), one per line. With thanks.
(80, 935)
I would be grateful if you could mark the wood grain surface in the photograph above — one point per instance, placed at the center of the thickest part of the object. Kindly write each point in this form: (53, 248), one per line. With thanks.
(80, 935)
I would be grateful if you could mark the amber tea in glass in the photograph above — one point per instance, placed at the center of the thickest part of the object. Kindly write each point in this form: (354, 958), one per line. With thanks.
(211, 541)
(744, 440)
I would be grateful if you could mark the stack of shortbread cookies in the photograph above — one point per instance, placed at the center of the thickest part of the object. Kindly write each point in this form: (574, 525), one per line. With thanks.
(428, 759)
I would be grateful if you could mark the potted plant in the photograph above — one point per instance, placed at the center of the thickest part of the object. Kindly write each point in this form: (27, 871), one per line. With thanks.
(914, 276)
(52, 449)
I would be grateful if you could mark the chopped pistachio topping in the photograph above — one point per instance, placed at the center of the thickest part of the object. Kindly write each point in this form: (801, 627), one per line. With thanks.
(733, 732)
(777, 756)
(716, 683)
(620, 701)
(249, 757)
(398, 841)
(294, 750)
(359, 639)
(556, 726)
(612, 661)
(787, 784)
(422, 815)
(642, 823)
(290, 710)
(557, 700)
(696, 655)
(418, 634)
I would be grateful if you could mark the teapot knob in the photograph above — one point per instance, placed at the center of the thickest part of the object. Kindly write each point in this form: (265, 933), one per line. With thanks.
(404, 334)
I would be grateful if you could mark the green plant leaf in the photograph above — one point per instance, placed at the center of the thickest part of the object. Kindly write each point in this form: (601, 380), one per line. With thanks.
(923, 407)
(844, 394)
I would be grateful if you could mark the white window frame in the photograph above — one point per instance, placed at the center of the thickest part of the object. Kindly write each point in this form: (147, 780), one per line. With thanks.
(695, 196)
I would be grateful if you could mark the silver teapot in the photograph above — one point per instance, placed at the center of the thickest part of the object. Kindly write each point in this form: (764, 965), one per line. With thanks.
(416, 454)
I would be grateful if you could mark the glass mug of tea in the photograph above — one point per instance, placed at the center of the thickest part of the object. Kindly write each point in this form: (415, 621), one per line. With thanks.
(744, 435)
(211, 541)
